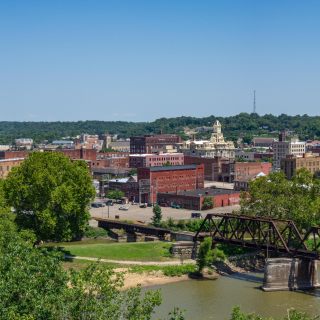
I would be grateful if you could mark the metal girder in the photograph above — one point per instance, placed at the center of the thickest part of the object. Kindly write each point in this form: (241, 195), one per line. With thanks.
(260, 233)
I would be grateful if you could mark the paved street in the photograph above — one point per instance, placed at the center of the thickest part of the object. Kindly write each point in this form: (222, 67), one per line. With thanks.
(145, 214)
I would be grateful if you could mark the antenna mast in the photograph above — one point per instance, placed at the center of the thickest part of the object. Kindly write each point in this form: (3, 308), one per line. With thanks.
(254, 101)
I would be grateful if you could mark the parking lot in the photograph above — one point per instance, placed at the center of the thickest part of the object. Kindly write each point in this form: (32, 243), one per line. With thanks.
(145, 214)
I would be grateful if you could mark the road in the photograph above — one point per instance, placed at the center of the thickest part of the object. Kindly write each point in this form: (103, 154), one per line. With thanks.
(145, 214)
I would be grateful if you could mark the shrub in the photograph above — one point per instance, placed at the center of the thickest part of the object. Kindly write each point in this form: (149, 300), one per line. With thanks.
(170, 222)
(92, 232)
(207, 203)
(181, 224)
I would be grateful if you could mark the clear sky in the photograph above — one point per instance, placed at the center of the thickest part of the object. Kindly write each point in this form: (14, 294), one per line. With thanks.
(142, 60)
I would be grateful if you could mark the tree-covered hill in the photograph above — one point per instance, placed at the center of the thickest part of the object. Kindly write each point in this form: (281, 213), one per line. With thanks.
(305, 126)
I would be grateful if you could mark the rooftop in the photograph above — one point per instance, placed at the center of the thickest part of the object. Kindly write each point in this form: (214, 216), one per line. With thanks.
(169, 168)
(155, 154)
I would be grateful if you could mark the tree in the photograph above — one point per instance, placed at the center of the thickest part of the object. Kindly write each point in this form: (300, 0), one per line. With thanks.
(208, 203)
(275, 197)
(34, 285)
(292, 314)
(315, 176)
(50, 196)
(133, 171)
(108, 150)
(247, 139)
(166, 164)
(157, 215)
(207, 255)
(116, 194)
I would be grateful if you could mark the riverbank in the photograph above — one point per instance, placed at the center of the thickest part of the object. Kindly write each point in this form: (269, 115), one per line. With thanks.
(247, 264)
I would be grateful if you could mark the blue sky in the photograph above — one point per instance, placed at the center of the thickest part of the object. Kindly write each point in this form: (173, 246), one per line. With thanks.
(142, 60)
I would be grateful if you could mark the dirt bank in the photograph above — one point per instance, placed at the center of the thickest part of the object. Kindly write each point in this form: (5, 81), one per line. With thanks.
(146, 279)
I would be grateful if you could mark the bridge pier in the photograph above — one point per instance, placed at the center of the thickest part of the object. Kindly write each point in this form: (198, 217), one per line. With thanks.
(283, 274)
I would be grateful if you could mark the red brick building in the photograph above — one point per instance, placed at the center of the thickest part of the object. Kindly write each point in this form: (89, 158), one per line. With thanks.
(146, 144)
(111, 162)
(192, 199)
(13, 154)
(154, 160)
(112, 154)
(79, 154)
(172, 178)
(235, 170)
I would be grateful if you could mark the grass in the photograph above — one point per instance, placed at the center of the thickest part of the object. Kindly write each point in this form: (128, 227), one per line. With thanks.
(141, 251)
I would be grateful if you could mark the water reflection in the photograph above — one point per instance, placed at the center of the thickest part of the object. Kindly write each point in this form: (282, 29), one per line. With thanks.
(215, 299)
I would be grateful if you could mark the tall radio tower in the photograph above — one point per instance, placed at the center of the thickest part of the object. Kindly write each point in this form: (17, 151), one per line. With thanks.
(254, 101)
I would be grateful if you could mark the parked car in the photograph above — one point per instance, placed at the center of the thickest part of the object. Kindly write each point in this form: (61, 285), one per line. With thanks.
(120, 202)
(134, 203)
(163, 205)
(150, 204)
(123, 208)
(196, 215)
(143, 206)
(212, 187)
(109, 203)
(97, 205)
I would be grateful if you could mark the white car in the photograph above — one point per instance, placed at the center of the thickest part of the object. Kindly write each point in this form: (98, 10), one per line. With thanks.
(123, 208)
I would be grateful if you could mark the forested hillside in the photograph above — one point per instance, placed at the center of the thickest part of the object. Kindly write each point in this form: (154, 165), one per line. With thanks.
(305, 126)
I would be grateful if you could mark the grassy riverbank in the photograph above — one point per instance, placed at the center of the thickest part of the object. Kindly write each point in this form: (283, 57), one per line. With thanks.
(136, 251)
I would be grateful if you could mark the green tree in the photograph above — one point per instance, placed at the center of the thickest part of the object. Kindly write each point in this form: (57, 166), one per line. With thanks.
(247, 139)
(157, 215)
(292, 314)
(315, 176)
(208, 203)
(34, 285)
(275, 197)
(166, 164)
(133, 171)
(206, 255)
(115, 194)
(108, 150)
(50, 196)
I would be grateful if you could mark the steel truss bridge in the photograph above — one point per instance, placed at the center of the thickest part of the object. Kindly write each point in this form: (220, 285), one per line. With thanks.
(259, 233)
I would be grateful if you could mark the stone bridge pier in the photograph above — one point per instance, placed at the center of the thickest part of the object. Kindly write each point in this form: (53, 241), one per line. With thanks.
(282, 274)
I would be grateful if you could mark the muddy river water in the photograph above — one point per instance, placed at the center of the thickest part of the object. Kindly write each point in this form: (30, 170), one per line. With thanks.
(214, 299)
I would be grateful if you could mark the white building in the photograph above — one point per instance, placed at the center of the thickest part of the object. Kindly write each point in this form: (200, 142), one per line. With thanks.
(215, 147)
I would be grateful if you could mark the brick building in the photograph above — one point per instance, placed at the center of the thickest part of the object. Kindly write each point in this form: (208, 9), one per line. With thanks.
(311, 161)
(192, 199)
(104, 154)
(79, 154)
(13, 154)
(212, 166)
(263, 142)
(154, 160)
(172, 178)
(235, 170)
(7, 164)
(147, 144)
(117, 162)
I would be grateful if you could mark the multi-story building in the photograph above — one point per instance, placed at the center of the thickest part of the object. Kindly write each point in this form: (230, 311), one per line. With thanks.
(170, 178)
(13, 154)
(154, 160)
(154, 180)
(215, 147)
(152, 143)
(242, 183)
(290, 163)
(263, 142)
(212, 166)
(113, 154)
(7, 164)
(282, 148)
(233, 170)
(117, 162)
(251, 155)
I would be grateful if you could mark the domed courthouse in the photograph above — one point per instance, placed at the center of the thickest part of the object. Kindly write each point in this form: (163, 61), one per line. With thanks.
(215, 147)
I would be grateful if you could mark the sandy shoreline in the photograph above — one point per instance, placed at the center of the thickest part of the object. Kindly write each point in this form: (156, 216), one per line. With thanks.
(147, 279)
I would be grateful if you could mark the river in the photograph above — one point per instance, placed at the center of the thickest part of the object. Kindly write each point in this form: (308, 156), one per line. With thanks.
(214, 299)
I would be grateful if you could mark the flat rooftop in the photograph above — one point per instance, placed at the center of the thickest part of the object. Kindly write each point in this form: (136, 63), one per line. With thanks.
(169, 168)
(197, 192)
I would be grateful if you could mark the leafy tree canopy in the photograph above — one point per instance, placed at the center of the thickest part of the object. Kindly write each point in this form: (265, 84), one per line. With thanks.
(275, 197)
(157, 215)
(50, 196)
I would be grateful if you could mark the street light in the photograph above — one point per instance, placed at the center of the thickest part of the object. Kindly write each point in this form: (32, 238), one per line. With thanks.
(268, 230)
